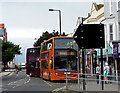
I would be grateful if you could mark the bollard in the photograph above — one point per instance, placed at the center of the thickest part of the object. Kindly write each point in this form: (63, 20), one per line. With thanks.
(66, 81)
(79, 81)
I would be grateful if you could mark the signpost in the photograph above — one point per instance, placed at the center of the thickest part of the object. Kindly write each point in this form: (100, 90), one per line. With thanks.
(89, 36)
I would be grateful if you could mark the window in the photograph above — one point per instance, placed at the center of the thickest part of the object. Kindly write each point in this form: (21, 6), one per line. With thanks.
(33, 51)
(32, 64)
(65, 43)
(46, 46)
(44, 64)
(65, 60)
(118, 4)
(43, 47)
(119, 30)
(111, 31)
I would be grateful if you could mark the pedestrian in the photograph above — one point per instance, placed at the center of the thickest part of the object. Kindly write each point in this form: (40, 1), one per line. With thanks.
(110, 74)
(106, 72)
(16, 69)
(98, 71)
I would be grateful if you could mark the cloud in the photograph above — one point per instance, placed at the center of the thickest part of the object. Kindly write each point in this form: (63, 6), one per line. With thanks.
(24, 33)
(51, 0)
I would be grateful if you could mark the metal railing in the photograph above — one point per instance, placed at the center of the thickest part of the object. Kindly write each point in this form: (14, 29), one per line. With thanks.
(91, 82)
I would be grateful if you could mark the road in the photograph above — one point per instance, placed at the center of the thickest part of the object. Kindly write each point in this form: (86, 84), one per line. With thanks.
(21, 83)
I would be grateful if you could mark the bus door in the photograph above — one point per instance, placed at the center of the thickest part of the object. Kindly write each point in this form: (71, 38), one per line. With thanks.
(44, 72)
(37, 69)
(32, 68)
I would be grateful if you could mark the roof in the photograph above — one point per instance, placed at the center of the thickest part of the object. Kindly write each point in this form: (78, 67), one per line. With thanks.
(99, 6)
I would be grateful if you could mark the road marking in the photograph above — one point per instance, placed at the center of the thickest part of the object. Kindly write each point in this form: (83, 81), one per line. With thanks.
(3, 89)
(28, 80)
(47, 83)
(11, 73)
(58, 89)
(17, 83)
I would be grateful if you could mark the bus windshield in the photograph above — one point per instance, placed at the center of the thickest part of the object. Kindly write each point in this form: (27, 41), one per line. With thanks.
(33, 51)
(65, 43)
(65, 60)
(33, 54)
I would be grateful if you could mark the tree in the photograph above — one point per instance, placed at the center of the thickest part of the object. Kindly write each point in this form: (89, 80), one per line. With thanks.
(46, 35)
(9, 50)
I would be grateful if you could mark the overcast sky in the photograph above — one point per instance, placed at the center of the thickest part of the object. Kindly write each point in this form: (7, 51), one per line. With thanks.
(28, 19)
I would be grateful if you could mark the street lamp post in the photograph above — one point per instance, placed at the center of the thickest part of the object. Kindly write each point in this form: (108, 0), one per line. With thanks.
(59, 17)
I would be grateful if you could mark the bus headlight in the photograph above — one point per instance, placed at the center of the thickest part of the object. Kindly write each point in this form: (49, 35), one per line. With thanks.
(67, 73)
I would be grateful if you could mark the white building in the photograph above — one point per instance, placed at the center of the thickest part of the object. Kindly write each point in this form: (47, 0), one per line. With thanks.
(112, 27)
(96, 14)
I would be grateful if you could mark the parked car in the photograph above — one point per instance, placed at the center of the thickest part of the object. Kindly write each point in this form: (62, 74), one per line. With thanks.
(22, 66)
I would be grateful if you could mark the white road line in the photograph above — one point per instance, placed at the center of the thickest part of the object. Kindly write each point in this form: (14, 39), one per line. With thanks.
(27, 81)
(16, 86)
(17, 83)
(47, 83)
(11, 84)
(4, 89)
(11, 73)
(58, 89)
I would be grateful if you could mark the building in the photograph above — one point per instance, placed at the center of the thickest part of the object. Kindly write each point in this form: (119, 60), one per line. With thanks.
(95, 16)
(3, 36)
(3, 33)
(118, 7)
(112, 30)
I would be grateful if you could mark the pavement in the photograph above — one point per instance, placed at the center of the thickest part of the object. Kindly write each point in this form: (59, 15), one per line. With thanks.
(92, 87)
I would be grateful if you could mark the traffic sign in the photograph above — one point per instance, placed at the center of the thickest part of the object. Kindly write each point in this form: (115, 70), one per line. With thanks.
(89, 36)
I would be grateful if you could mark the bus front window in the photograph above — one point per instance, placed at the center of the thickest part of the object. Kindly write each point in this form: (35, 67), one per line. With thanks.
(63, 43)
(65, 60)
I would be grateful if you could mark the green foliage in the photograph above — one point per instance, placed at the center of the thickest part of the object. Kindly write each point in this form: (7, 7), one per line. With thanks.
(9, 50)
(46, 35)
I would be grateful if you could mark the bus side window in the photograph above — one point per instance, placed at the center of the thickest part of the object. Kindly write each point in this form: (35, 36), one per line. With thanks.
(49, 46)
(43, 47)
(44, 64)
(37, 65)
(32, 65)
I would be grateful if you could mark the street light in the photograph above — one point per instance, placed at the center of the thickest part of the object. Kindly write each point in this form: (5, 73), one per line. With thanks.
(59, 17)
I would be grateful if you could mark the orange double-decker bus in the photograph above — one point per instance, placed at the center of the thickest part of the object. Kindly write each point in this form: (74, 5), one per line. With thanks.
(58, 56)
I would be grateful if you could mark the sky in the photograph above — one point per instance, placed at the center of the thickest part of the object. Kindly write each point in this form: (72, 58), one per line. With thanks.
(26, 20)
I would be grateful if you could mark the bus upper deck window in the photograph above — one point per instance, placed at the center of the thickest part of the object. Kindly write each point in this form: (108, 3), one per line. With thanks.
(49, 46)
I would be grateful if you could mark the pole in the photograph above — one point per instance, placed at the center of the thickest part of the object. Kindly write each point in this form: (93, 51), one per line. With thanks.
(59, 17)
(116, 72)
(107, 52)
(102, 77)
(60, 20)
(78, 68)
(83, 61)
(83, 68)
(66, 81)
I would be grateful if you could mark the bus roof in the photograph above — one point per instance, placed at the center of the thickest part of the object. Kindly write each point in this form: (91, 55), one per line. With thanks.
(54, 38)
(34, 47)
